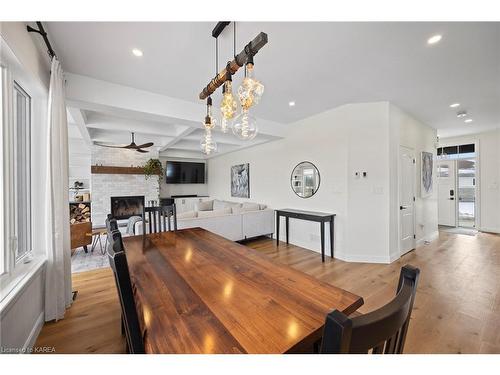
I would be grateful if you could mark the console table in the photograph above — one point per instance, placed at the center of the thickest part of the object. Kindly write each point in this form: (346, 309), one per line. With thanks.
(320, 217)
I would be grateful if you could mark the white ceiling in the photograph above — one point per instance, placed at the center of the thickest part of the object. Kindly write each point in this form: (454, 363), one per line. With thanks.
(317, 65)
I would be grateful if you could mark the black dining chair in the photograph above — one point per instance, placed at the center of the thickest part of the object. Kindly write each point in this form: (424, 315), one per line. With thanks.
(382, 331)
(111, 224)
(130, 318)
(159, 219)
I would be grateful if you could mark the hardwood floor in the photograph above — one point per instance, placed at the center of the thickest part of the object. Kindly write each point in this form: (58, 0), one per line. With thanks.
(457, 308)
(92, 323)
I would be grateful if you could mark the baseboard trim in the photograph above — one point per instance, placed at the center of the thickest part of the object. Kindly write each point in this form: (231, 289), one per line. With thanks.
(490, 230)
(35, 331)
(357, 258)
(431, 237)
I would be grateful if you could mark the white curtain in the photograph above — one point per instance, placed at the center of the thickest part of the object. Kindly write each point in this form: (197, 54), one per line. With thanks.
(58, 273)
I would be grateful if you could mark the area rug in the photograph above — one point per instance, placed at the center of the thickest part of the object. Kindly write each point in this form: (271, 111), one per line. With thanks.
(81, 261)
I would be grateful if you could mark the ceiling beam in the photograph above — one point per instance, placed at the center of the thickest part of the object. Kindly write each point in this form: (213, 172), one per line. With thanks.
(178, 138)
(80, 120)
(126, 125)
(124, 101)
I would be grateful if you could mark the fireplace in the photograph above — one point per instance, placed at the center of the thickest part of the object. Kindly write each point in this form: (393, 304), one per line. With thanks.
(125, 207)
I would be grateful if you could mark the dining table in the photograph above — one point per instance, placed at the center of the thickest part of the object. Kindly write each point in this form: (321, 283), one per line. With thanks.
(197, 292)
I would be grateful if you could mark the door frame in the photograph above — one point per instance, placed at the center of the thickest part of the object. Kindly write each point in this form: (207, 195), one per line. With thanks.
(455, 197)
(477, 150)
(414, 183)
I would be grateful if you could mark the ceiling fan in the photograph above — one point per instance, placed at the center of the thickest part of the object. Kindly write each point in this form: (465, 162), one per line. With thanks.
(131, 146)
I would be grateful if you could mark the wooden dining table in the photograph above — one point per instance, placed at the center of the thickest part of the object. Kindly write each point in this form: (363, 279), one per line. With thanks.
(197, 292)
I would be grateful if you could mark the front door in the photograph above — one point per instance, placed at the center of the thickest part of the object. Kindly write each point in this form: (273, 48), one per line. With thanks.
(406, 200)
(446, 180)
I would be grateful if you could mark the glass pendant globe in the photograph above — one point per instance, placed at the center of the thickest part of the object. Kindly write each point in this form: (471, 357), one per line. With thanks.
(245, 126)
(207, 144)
(225, 124)
(251, 90)
(229, 103)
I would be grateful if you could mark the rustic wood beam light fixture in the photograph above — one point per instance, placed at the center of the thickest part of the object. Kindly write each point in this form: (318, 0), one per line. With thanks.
(239, 60)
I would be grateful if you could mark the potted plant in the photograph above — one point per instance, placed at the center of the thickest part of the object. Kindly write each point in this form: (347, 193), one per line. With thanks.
(153, 167)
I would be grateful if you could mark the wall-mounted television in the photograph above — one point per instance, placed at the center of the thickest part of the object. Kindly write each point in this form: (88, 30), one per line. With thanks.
(180, 172)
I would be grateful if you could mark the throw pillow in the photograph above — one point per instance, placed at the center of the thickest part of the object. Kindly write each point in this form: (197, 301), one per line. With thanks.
(187, 215)
(204, 206)
(222, 212)
(247, 206)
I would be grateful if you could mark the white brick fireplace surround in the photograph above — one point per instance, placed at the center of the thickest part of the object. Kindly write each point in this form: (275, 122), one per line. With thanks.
(105, 186)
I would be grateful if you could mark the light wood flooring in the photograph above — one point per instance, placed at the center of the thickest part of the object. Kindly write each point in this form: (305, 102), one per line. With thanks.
(457, 308)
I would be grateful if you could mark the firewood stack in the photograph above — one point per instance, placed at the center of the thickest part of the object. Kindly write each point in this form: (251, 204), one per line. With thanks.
(79, 213)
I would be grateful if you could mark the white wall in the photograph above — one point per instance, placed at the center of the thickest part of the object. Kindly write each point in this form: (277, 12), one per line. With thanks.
(488, 145)
(411, 133)
(79, 162)
(167, 190)
(339, 142)
(21, 320)
(104, 186)
(21, 316)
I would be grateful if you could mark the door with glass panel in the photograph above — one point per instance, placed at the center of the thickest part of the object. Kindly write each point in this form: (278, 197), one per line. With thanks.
(446, 193)
(456, 172)
(466, 179)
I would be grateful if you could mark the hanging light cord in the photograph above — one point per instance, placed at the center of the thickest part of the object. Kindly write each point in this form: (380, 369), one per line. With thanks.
(234, 38)
(216, 56)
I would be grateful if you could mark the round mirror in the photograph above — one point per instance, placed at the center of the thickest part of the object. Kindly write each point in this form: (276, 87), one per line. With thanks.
(305, 179)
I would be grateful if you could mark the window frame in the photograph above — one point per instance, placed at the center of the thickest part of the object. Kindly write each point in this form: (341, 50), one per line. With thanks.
(15, 274)
(26, 159)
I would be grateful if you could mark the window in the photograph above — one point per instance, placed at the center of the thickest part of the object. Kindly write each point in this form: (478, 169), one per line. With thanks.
(456, 152)
(22, 168)
(2, 182)
(15, 173)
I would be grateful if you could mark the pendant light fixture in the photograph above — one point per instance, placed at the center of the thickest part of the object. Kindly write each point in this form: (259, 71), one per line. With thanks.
(251, 90)
(244, 126)
(208, 144)
(228, 104)
(249, 93)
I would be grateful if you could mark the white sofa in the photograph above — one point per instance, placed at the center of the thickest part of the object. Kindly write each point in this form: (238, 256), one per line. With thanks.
(231, 220)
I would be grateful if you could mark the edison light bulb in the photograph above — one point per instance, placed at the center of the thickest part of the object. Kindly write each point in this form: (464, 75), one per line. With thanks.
(208, 144)
(250, 90)
(227, 107)
(210, 120)
(245, 126)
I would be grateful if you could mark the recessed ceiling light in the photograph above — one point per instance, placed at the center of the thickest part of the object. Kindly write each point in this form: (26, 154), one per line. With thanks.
(434, 39)
(461, 114)
(291, 104)
(468, 120)
(137, 52)
(454, 105)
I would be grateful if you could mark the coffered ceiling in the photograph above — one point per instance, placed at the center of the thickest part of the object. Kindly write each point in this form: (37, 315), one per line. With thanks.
(317, 65)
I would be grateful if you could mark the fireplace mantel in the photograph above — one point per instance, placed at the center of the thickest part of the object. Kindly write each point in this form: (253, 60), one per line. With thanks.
(103, 169)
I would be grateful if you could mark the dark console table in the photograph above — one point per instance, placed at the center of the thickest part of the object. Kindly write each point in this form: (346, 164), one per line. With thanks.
(320, 217)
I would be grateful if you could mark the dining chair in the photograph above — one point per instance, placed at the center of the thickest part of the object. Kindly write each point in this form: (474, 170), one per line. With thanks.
(111, 223)
(382, 331)
(159, 219)
(130, 318)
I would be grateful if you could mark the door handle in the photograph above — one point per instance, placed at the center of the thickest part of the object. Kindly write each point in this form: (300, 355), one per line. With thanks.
(403, 207)
(452, 199)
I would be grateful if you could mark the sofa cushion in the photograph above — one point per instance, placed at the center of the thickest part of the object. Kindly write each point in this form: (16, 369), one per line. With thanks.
(223, 211)
(187, 215)
(219, 205)
(204, 206)
(247, 206)
(244, 207)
